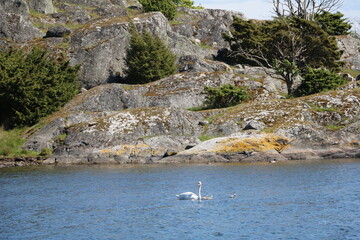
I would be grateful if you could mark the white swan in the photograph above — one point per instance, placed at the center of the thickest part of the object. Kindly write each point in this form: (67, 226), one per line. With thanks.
(191, 195)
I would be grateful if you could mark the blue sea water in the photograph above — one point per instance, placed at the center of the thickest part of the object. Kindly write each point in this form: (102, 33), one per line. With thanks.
(292, 200)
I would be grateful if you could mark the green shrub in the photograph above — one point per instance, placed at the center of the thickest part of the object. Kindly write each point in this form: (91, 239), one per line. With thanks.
(167, 7)
(184, 3)
(333, 23)
(225, 96)
(148, 59)
(32, 86)
(319, 80)
(45, 152)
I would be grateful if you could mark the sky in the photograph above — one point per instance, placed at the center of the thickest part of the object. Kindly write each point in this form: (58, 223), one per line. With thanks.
(262, 9)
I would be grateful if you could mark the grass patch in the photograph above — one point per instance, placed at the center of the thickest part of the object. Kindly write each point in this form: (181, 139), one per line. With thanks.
(77, 5)
(196, 109)
(352, 72)
(211, 119)
(204, 138)
(205, 45)
(43, 26)
(319, 109)
(11, 142)
(36, 14)
(175, 22)
(332, 127)
(61, 137)
(269, 130)
(316, 108)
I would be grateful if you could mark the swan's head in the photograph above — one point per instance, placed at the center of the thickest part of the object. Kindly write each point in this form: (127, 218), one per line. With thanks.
(199, 184)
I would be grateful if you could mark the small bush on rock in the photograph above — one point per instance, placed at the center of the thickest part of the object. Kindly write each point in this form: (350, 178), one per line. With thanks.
(186, 3)
(319, 80)
(225, 96)
(167, 7)
(148, 59)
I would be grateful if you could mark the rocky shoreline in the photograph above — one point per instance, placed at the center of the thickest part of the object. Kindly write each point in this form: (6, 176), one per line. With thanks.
(240, 157)
(21, 161)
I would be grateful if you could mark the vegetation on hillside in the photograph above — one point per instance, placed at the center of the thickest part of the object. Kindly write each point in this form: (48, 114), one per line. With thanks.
(11, 142)
(32, 86)
(148, 59)
(333, 23)
(287, 45)
(319, 80)
(297, 40)
(167, 7)
(225, 96)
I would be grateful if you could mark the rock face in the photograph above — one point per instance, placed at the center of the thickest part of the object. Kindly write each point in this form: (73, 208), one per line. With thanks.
(351, 48)
(102, 35)
(100, 48)
(100, 125)
(42, 6)
(151, 123)
(15, 23)
(183, 90)
(102, 3)
(204, 26)
(58, 31)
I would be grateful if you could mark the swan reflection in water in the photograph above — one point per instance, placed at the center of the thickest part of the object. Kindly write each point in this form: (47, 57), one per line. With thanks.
(193, 196)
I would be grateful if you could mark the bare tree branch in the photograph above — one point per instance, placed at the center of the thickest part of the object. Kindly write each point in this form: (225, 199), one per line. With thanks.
(304, 8)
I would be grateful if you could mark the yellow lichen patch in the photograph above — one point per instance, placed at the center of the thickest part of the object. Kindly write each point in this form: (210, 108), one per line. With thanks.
(355, 144)
(258, 144)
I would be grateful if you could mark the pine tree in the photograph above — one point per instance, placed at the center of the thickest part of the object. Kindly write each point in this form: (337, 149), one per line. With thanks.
(33, 86)
(333, 23)
(148, 59)
(167, 7)
(184, 3)
(319, 80)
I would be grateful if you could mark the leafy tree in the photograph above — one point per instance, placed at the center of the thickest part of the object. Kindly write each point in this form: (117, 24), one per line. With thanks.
(333, 23)
(319, 80)
(287, 45)
(225, 96)
(148, 59)
(32, 86)
(167, 7)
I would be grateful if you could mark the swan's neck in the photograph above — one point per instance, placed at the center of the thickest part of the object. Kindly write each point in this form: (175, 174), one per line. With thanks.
(199, 192)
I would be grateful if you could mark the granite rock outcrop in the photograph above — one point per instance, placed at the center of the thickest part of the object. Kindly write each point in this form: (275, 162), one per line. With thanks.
(118, 123)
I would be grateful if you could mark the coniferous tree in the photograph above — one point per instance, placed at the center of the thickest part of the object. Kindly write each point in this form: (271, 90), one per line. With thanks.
(333, 23)
(148, 59)
(32, 86)
(167, 7)
(184, 3)
(319, 80)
